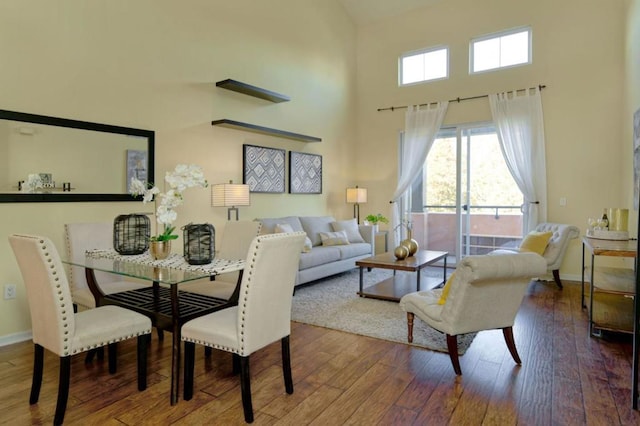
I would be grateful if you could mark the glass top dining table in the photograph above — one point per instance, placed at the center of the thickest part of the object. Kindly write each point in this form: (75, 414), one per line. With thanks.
(162, 301)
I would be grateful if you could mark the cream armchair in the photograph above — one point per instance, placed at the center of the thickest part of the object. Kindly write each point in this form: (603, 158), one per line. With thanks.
(484, 293)
(556, 249)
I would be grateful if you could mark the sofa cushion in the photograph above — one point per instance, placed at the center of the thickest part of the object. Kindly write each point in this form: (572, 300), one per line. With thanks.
(350, 227)
(269, 224)
(313, 225)
(353, 250)
(319, 256)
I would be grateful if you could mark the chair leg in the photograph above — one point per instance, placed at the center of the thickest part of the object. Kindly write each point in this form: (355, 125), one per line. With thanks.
(160, 334)
(143, 343)
(189, 364)
(245, 387)
(511, 344)
(556, 278)
(63, 389)
(286, 365)
(208, 351)
(93, 352)
(235, 359)
(410, 317)
(452, 346)
(113, 357)
(38, 365)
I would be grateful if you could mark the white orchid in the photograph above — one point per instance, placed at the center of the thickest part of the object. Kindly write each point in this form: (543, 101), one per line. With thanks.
(33, 182)
(181, 178)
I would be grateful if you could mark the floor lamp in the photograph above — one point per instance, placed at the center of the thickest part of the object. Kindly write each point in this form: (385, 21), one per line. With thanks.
(356, 196)
(230, 195)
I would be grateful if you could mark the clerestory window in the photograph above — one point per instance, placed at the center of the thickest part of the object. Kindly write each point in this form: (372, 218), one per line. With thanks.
(500, 50)
(424, 65)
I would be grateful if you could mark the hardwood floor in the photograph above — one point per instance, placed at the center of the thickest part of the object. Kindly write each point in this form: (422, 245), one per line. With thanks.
(567, 378)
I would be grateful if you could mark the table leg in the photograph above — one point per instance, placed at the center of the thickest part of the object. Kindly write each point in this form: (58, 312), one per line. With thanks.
(361, 279)
(444, 271)
(176, 343)
(418, 275)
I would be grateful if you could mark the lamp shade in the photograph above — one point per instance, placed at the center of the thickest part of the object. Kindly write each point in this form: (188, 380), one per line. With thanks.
(229, 195)
(356, 195)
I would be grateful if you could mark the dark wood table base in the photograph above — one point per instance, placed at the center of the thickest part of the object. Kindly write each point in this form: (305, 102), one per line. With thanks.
(394, 288)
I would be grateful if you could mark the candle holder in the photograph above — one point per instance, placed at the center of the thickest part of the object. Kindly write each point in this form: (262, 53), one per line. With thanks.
(199, 243)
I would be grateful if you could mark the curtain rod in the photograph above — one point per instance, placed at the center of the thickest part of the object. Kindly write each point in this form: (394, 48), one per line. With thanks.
(392, 108)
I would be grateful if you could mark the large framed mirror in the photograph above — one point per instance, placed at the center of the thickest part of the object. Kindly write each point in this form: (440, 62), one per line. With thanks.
(70, 160)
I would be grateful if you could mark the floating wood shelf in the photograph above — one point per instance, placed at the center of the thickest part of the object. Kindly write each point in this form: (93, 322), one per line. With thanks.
(256, 92)
(264, 130)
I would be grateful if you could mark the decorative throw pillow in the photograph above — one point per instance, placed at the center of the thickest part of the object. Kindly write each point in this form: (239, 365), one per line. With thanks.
(286, 228)
(282, 228)
(536, 242)
(351, 228)
(445, 290)
(338, 238)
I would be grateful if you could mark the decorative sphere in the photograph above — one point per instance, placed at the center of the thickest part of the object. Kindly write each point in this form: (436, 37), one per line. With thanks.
(401, 252)
(411, 244)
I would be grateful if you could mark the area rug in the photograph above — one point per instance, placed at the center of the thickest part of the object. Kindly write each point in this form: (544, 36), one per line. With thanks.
(333, 303)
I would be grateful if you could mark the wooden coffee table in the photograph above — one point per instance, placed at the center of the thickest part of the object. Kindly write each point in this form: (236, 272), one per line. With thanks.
(398, 285)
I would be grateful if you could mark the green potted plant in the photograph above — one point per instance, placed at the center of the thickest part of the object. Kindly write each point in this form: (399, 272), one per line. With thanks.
(375, 220)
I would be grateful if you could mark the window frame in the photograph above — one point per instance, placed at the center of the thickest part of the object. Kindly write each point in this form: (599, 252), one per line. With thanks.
(497, 35)
(422, 52)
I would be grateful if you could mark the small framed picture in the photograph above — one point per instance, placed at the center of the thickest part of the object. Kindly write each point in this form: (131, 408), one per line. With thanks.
(305, 173)
(263, 168)
(136, 166)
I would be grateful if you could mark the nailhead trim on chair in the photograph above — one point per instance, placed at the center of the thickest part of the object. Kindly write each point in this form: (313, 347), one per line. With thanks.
(54, 273)
(65, 319)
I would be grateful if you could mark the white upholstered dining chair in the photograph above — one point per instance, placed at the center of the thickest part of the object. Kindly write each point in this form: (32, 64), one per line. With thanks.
(235, 242)
(262, 316)
(483, 293)
(57, 328)
(81, 237)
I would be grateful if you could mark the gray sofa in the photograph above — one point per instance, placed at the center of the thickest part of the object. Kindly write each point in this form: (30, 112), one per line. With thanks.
(321, 260)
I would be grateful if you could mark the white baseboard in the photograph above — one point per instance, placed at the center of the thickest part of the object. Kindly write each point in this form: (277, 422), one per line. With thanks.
(10, 339)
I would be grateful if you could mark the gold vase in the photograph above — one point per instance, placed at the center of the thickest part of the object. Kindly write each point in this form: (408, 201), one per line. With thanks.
(401, 252)
(410, 243)
(160, 249)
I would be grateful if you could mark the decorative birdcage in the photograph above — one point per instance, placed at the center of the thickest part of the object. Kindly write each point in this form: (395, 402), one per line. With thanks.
(131, 233)
(199, 243)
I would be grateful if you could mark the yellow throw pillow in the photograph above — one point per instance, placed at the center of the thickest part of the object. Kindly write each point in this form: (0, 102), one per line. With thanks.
(445, 290)
(536, 242)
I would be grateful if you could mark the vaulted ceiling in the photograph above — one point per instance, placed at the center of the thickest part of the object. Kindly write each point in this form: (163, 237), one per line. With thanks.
(367, 11)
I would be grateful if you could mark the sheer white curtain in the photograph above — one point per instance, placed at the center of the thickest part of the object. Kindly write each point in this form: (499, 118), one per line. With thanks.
(420, 129)
(519, 123)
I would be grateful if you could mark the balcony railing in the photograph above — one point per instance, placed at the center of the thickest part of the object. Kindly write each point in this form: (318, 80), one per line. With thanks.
(489, 227)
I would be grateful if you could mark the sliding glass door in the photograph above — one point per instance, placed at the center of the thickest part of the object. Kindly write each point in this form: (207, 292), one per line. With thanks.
(471, 204)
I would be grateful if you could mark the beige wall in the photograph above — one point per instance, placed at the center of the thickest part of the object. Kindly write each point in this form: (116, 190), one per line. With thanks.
(578, 53)
(153, 64)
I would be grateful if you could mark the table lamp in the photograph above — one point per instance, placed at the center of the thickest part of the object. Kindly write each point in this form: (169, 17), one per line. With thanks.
(356, 195)
(230, 195)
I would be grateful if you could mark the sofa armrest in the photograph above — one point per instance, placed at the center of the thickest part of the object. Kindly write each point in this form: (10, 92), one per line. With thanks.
(369, 236)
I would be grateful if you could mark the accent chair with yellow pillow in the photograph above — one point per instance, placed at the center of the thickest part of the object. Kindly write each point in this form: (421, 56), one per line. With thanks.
(554, 249)
(484, 293)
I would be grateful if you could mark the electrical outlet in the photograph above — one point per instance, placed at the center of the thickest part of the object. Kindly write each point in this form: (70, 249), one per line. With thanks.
(9, 291)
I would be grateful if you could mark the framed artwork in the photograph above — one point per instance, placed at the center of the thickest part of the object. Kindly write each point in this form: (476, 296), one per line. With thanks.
(636, 159)
(305, 173)
(136, 166)
(263, 168)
